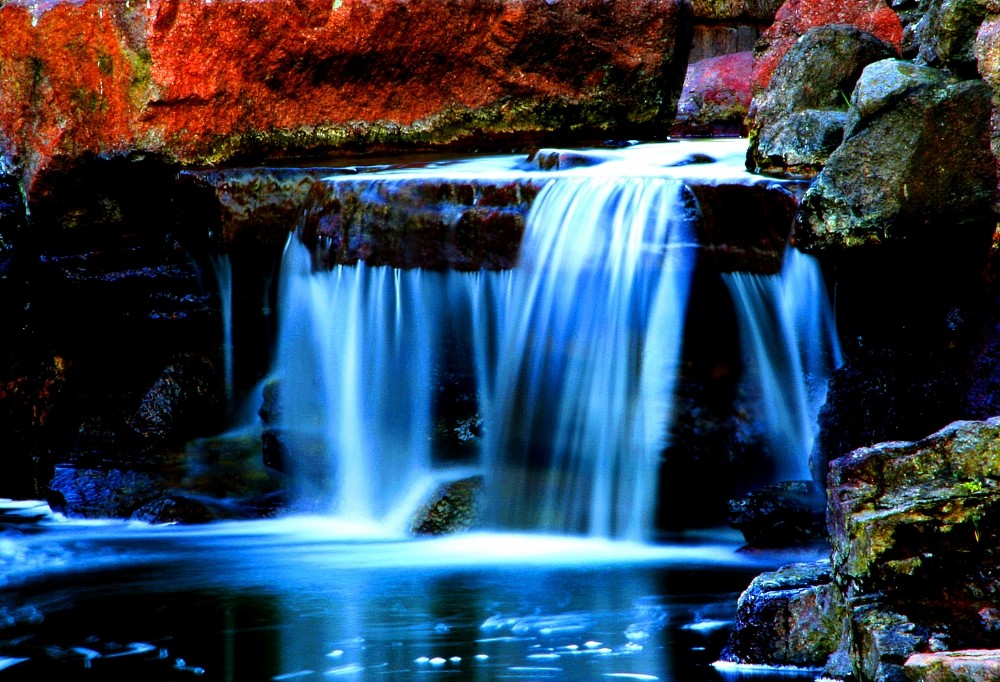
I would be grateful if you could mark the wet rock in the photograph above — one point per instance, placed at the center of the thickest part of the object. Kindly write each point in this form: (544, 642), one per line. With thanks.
(452, 508)
(178, 509)
(184, 402)
(781, 514)
(204, 82)
(786, 617)
(971, 665)
(915, 157)
(98, 491)
(745, 227)
(796, 17)
(913, 527)
(715, 97)
(799, 119)
(430, 223)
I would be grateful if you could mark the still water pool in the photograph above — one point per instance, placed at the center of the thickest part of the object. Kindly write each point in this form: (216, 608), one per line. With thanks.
(311, 599)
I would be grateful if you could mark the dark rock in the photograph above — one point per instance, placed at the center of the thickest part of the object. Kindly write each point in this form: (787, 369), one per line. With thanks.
(781, 514)
(798, 120)
(946, 34)
(787, 617)
(185, 401)
(452, 508)
(178, 509)
(913, 527)
(888, 181)
(796, 17)
(270, 404)
(85, 491)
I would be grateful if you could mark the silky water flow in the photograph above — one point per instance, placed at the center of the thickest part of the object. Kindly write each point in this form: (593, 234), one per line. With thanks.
(575, 353)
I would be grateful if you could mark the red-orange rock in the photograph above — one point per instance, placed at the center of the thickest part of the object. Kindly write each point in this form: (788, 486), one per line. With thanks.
(716, 96)
(798, 16)
(198, 81)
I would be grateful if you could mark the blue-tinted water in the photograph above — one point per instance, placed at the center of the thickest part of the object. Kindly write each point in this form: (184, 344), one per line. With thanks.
(300, 599)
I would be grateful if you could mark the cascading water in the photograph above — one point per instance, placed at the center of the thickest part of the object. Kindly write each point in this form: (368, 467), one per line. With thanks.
(223, 269)
(575, 354)
(590, 325)
(790, 344)
(355, 354)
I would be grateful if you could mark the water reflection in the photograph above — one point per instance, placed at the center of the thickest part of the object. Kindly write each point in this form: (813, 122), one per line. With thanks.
(299, 599)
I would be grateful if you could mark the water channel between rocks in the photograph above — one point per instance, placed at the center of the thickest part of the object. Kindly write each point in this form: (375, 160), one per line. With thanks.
(335, 590)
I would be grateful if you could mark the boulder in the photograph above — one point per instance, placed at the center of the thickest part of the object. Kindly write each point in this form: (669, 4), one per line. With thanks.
(715, 97)
(970, 665)
(204, 82)
(799, 119)
(796, 17)
(184, 402)
(946, 34)
(780, 514)
(913, 528)
(452, 508)
(786, 617)
(915, 157)
(987, 51)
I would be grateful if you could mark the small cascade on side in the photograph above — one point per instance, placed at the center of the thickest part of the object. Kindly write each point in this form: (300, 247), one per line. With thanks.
(355, 350)
(576, 388)
(790, 346)
(223, 269)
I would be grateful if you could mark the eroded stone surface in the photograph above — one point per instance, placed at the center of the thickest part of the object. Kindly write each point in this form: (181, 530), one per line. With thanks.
(197, 82)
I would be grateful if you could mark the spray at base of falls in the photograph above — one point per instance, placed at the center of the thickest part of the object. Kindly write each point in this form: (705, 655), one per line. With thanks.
(574, 355)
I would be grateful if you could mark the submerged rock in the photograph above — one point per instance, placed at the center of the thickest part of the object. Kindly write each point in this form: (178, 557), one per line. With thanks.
(799, 119)
(780, 514)
(452, 508)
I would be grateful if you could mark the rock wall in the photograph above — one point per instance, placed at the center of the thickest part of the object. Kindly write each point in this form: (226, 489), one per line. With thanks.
(902, 213)
(202, 82)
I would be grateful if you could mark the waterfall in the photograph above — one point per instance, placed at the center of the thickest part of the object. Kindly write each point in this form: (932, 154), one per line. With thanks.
(790, 347)
(574, 354)
(355, 350)
(223, 269)
(577, 388)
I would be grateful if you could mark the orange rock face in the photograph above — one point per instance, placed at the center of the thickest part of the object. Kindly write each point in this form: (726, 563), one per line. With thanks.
(798, 16)
(201, 81)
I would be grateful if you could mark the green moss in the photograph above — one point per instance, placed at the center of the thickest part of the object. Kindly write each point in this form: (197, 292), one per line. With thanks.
(105, 63)
(140, 64)
(88, 102)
